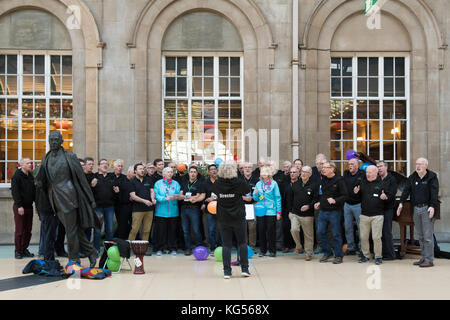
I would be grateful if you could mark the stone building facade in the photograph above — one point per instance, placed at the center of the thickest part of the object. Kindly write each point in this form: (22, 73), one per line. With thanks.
(317, 74)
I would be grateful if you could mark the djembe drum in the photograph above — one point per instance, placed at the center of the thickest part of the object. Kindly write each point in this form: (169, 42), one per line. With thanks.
(139, 248)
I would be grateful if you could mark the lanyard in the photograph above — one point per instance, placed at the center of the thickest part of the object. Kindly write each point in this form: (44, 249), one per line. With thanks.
(167, 185)
(189, 186)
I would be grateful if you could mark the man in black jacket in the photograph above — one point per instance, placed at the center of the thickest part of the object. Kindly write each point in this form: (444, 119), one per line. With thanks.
(352, 207)
(390, 189)
(251, 181)
(423, 187)
(331, 199)
(373, 197)
(23, 192)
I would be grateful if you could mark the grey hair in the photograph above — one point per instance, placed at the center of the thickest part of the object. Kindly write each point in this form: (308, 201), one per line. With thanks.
(424, 160)
(22, 160)
(130, 169)
(117, 162)
(287, 163)
(227, 170)
(165, 170)
(372, 167)
(307, 168)
(267, 170)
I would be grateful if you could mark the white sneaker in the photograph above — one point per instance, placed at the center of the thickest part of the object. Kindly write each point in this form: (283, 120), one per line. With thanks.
(226, 276)
(245, 274)
(159, 253)
(174, 253)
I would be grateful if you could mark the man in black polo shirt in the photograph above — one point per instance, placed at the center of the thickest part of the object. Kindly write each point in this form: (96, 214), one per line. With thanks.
(192, 196)
(159, 165)
(390, 189)
(144, 201)
(423, 187)
(352, 207)
(291, 175)
(301, 199)
(210, 196)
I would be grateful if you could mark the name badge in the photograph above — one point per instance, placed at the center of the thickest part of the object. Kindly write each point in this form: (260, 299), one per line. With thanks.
(375, 194)
(261, 197)
(188, 195)
(417, 183)
(213, 195)
(309, 193)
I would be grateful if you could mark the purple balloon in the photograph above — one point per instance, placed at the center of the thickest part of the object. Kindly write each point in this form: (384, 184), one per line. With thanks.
(201, 253)
(350, 154)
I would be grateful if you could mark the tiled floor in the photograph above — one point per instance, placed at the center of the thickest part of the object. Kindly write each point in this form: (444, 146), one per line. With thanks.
(282, 278)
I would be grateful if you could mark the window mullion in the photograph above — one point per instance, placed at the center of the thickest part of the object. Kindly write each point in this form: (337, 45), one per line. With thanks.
(163, 95)
(189, 96)
(380, 104)
(20, 97)
(354, 95)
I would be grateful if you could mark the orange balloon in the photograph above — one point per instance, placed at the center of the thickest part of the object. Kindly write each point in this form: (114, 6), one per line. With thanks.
(181, 167)
(212, 207)
(344, 248)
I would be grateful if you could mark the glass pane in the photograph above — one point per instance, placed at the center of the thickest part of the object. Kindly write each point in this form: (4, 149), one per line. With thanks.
(347, 130)
(388, 130)
(374, 109)
(39, 109)
(11, 167)
(67, 64)
(223, 87)
(182, 109)
(39, 85)
(335, 130)
(209, 109)
(400, 167)
(11, 84)
(27, 65)
(235, 66)
(335, 109)
(400, 109)
(347, 109)
(55, 108)
(399, 67)
(400, 87)
(347, 87)
(67, 109)
(208, 66)
(55, 67)
(170, 109)
(374, 150)
(181, 86)
(400, 130)
(335, 67)
(170, 86)
(39, 150)
(169, 130)
(361, 109)
(346, 145)
(182, 130)
(400, 150)
(208, 83)
(235, 109)
(196, 112)
(27, 108)
(374, 130)
(2, 64)
(27, 149)
(2, 85)
(388, 109)
(27, 85)
(373, 87)
(2, 136)
(388, 150)
(362, 67)
(11, 68)
(170, 67)
(389, 87)
(39, 130)
(235, 88)
(197, 66)
(362, 87)
(197, 86)
(388, 67)
(347, 67)
(39, 64)
(361, 146)
(208, 130)
(223, 109)
(181, 66)
(223, 66)
(361, 133)
(223, 130)
(55, 85)
(2, 108)
(335, 150)
(336, 87)
(27, 129)
(373, 67)
(197, 130)
(12, 108)
(236, 130)
(66, 85)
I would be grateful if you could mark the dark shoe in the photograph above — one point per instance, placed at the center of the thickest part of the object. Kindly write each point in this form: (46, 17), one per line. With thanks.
(187, 252)
(262, 254)
(285, 250)
(378, 261)
(62, 254)
(227, 275)
(363, 259)
(325, 257)
(148, 253)
(418, 263)
(18, 255)
(337, 260)
(245, 273)
(426, 264)
(93, 259)
(27, 254)
(350, 253)
(272, 255)
(317, 250)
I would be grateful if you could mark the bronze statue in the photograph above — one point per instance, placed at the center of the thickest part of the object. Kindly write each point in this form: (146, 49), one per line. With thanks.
(66, 190)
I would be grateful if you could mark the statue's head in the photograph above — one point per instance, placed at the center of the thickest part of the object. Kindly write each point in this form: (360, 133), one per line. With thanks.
(55, 140)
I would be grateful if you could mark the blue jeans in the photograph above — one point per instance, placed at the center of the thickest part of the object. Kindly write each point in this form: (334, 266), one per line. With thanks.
(334, 219)
(190, 217)
(351, 211)
(211, 221)
(107, 215)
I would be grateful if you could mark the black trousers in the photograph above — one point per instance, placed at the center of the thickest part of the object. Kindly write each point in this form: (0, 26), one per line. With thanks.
(239, 229)
(49, 225)
(124, 217)
(267, 233)
(165, 233)
(387, 238)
